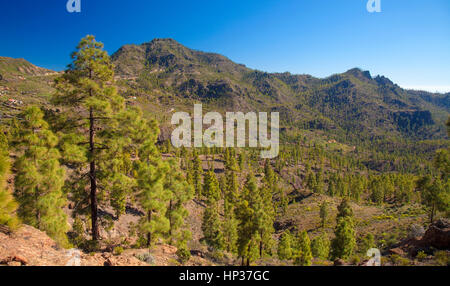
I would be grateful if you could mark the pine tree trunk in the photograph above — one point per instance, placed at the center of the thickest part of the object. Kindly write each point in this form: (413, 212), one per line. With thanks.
(38, 212)
(260, 248)
(248, 253)
(92, 173)
(149, 235)
(170, 220)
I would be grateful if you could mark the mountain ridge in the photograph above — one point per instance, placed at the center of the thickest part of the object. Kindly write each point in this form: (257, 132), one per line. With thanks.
(349, 101)
(353, 102)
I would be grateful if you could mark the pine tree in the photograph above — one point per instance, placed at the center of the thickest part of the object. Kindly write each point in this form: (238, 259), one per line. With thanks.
(87, 85)
(180, 193)
(285, 250)
(332, 185)
(230, 228)
(265, 216)
(153, 199)
(232, 188)
(304, 255)
(212, 223)
(248, 228)
(323, 213)
(344, 242)
(345, 209)
(197, 174)
(124, 145)
(319, 184)
(151, 195)
(367, 243)
(377, 190)
(320, 246)
(269, 175)
(211, 186)
(241, 160)
(357, 188)
(40, 178)
(230, 199)
(310, 181)
(345, 238)
(8, 205)
(442, 163)
(435, 195)
(212, 226)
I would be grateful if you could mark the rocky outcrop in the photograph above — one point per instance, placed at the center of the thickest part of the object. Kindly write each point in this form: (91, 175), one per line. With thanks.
(31, 247)
(437, 235)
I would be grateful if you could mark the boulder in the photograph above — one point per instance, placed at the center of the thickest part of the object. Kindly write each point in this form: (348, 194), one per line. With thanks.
(416, 230)
(437, 235)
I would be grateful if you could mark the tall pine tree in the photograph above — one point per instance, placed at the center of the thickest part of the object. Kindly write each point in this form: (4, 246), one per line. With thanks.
(212, 223)
(8, 205)
(248, 243)
(40, 178)
(285, 250)
(304, 255)
(152, 196)
(197, 174)
(87, 87)
(180, 193)
(344, 242)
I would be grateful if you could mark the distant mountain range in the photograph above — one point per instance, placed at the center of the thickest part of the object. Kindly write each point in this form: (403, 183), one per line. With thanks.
(352, 105)
(353, 102)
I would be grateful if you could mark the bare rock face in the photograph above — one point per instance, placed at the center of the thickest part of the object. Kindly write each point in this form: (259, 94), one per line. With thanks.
(437, 235)
(32, 247)
(29, 246)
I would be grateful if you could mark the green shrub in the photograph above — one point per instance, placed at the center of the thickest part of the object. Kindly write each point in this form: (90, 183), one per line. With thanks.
(146, 257)
(183, 255)
(421, 255)
(355, 260)
(77, 235)
(118, 250)
(173, 262)
(384, 217)
(399, 261)
(91, 246)
(216, 256)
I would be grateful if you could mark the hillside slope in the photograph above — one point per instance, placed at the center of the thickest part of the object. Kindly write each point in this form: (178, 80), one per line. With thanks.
(343, 104)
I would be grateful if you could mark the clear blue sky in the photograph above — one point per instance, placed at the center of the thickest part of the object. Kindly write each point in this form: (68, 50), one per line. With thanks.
(409, 41)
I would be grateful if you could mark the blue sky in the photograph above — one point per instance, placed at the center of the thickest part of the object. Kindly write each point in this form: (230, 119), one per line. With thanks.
(409, 41)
